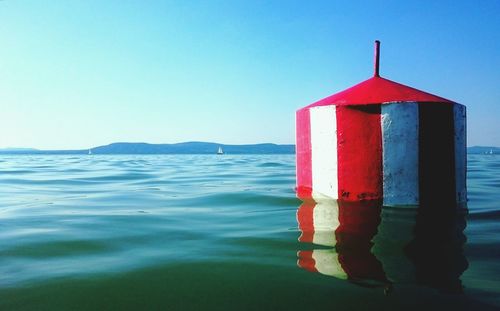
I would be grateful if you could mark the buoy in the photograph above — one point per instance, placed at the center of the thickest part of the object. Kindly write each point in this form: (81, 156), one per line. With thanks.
(382, 140)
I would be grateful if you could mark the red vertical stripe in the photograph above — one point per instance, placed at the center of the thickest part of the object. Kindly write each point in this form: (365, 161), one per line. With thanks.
(359, 218)
(303, 151)
(305, 218)
(359, 139)
(358, 225)
(306, 261)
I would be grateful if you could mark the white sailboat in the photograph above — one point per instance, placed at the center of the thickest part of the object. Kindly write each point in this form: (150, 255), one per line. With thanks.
(90, 151)
(220, 151)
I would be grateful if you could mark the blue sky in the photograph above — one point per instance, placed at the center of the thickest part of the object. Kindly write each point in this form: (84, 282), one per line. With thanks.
(76, 74)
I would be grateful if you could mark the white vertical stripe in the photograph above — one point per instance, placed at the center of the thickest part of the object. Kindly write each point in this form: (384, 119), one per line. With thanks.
(326, 221)
(459, 114)
(327, 263)
(400, 153)
(324, 152)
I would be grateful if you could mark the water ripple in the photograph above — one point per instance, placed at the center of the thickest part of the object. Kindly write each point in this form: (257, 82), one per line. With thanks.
(107, 218)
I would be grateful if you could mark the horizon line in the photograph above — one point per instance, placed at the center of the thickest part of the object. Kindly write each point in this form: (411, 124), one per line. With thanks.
(142, 142)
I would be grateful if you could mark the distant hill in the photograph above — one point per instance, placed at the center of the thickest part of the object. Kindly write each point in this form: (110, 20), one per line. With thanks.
(192, 148)
(180, 148)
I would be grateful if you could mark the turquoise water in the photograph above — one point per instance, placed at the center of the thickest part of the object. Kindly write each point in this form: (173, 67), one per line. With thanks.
(198, 232)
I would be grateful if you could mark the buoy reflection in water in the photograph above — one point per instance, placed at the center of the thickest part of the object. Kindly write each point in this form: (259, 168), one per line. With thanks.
(372, 246)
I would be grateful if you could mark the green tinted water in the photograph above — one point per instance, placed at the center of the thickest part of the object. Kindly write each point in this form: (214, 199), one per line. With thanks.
(219, 233)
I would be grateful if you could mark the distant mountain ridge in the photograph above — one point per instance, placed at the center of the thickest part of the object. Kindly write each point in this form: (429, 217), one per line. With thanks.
(194, 147)
(178, 148)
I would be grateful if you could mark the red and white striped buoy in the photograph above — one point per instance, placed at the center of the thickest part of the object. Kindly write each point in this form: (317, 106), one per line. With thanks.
(382, 140)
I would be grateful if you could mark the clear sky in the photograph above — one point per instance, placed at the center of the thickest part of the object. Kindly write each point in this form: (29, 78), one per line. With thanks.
(77, 74)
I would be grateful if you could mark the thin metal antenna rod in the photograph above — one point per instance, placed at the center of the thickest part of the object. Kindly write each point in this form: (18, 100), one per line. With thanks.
(377, 58)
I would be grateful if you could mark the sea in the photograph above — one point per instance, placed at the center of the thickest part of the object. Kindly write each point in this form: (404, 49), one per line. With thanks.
(226, 232)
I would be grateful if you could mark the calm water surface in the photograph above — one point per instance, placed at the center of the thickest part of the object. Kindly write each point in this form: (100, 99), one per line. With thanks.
(198, 232)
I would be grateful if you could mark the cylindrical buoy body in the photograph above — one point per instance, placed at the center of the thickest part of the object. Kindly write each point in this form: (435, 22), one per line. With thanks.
(381, 140)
